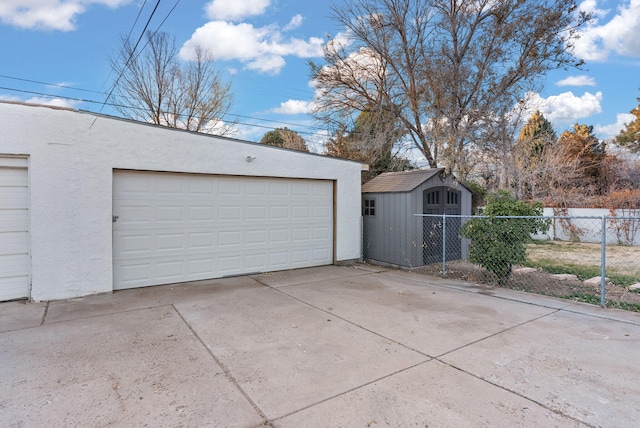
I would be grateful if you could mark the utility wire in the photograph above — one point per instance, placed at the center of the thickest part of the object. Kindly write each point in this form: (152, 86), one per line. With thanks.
(133, 26)
(280, 122)
(57, 85)
(102, 103)
(113, 87)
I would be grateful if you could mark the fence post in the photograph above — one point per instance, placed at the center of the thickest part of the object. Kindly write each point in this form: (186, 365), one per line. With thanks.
(603, 263)
(444, 245)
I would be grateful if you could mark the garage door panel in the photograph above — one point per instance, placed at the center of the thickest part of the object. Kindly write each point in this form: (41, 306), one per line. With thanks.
(12, 265)
(14, 287)
(169, 214)
(201, 240)
(201, 213)
(321, 254)
(300, 212)
(321, 234)
(202, 227)
(321, 212)
(256, 262)
(230, 264)
(14, 220)
(255, 237)
(229, 213)
(14, 228)
(135, 214)
(170, 270)
(256, 188)
(13, 197)
(230, 188)
(200, 266)
(13, 243)
(301, 256)
(9, 177)
(134, 244)
(253, 213)
(170, 242)
(279, 260)
(278, 188)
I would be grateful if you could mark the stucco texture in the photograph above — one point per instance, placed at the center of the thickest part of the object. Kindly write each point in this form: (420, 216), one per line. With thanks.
(72, 156)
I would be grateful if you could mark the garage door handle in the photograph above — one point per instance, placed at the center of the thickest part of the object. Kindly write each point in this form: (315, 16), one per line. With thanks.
(115, 218)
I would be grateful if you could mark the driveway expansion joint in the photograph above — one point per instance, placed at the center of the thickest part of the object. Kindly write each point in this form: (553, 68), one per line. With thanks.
(224, 368)
(512, 391)
(355, 388)
(430, 357)
(44, 313)
(437, 357)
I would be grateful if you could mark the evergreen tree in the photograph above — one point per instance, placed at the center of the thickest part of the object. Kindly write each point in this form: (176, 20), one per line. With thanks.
(629, 137)
(285, 138)
(534, 138)
(372, 140)
(583, 149)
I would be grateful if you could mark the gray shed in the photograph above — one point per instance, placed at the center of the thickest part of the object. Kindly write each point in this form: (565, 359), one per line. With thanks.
(394, 235)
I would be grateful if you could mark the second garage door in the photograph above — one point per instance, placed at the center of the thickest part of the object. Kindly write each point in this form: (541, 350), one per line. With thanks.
(171, 227)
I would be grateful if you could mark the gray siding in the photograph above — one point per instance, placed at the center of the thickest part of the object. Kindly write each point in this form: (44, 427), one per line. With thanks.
(389, 235)
(395, 235)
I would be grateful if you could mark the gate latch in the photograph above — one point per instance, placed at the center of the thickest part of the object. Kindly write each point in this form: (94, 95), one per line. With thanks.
(115, 218)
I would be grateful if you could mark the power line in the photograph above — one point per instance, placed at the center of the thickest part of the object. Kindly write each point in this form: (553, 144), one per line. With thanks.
(113, 87)
(135, 22)
(57, 85)
(123, 105)
(313, 129)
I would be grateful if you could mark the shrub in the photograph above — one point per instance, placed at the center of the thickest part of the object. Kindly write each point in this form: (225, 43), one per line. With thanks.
(499, 243)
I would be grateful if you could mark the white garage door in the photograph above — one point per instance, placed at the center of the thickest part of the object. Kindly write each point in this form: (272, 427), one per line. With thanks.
(14, 228)
(171, 227)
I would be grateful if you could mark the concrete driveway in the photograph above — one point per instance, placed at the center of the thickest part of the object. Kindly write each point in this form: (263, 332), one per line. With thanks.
(321, 347)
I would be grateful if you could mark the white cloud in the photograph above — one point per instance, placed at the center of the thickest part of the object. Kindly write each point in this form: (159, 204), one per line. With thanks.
(618, 35)
(48, 14)
(260, 48)
(235, 10)
(295, 22)
(577, 81)
(566, 107)
(293, 107)
(11, 98)
(44, 101)
(608, 131)
(56, 102)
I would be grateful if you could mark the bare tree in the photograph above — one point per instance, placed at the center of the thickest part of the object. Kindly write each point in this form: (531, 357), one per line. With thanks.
(444, 68)
(155, 86)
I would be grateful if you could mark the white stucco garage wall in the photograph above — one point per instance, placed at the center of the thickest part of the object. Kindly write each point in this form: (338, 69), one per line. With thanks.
(72, 156)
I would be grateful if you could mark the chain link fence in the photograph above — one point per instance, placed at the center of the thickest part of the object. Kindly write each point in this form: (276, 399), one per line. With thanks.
(588, 259)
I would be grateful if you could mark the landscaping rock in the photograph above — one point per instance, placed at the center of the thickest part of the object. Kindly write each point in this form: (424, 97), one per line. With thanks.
(524, 270)
(564, 277)
(596, 280)
(635, 286)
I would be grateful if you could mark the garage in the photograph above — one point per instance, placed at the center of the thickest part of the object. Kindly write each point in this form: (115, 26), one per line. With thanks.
(14, 228)
(176, 227)
(109, 204)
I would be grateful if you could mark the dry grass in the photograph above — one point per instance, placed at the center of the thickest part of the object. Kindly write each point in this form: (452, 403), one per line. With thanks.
(620, 259)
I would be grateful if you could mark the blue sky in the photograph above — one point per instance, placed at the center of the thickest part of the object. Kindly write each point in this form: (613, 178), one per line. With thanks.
(263, 47)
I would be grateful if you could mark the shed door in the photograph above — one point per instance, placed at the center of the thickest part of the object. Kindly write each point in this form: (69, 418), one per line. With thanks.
(441, 200)
(172, 227)
(14, 229)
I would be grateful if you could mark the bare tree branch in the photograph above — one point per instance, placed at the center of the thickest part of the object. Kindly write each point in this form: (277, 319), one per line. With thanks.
(444, 68)
(154, 86)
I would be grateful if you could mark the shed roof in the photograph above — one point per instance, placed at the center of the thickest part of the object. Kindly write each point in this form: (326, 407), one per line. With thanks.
(403, 181)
